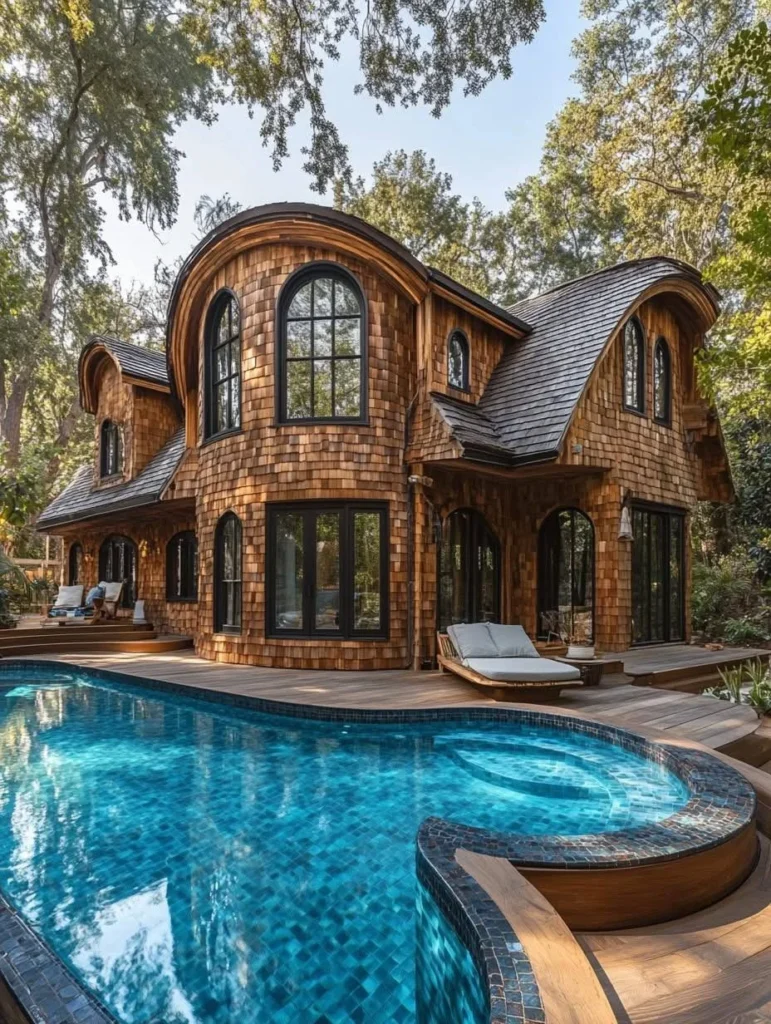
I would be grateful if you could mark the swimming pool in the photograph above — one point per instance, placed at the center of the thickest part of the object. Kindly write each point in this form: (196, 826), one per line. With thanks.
(192, 862)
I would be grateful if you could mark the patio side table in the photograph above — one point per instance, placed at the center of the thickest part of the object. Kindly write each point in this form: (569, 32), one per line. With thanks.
(591, 671)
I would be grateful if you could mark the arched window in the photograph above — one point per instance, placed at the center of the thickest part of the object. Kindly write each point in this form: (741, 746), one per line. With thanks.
(566, 575)
(469, 570)
(75, 568)
(118, 563)
(662, 383)
(110, 449)
(227, 574)
(322, 347)
(223, 365)
(457, 361)
(634, 366)
(182, 567)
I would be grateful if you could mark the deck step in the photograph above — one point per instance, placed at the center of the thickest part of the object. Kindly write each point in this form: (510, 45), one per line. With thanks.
(55, 637)
(689, 678)
(150, 644)
(114, 626)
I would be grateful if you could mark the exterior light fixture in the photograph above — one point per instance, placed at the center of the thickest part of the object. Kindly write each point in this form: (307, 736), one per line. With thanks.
(625, 531)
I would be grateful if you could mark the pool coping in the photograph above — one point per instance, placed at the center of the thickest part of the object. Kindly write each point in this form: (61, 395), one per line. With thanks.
(721, 805)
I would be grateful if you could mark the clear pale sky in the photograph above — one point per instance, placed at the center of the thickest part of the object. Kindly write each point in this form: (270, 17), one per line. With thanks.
(487, 143)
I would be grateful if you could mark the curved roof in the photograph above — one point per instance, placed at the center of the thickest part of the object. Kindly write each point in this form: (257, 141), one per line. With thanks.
(134, 362)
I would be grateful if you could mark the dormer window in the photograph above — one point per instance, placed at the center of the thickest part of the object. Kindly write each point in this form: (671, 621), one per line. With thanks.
(457, 361)
(110, 450)
(634, 366)
(223, 366)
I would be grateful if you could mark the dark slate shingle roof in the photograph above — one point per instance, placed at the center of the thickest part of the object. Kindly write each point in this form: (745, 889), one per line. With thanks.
(475, 432)
(535, 387)
(135, 360)
(81, 500)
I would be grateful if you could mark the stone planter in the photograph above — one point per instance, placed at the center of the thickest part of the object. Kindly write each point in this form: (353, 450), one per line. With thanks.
(580, 652)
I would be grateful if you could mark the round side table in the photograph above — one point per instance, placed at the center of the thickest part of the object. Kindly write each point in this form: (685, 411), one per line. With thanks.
(591, 671)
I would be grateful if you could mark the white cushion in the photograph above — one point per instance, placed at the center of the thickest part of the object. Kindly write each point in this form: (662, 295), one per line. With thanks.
(111, 590)
(523, 670)
(472, 640)
(69, 597)
(512, 641)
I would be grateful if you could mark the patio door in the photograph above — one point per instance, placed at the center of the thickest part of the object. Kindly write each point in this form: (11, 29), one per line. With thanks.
(658, 607)
(469, 570)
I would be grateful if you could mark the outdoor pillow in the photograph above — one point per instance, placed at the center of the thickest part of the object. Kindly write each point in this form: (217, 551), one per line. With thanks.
(93, 594)
(111, 590)
(512, 641)
(69, 597)
(523, 670)
(472, 640)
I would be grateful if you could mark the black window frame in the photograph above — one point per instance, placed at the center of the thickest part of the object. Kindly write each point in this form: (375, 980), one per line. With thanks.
(457, 335)
(110, 455)
(309, 510)
(662, 347)
(220, 595)
(219, 306)
(182, 567)
(666, 513)
(638, 406)
(130, 583)
(297, 280)
(75, 565)
(474, 530)
(545, 588)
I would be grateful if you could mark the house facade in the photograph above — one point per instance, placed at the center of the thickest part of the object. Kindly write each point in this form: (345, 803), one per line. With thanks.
(343, 450)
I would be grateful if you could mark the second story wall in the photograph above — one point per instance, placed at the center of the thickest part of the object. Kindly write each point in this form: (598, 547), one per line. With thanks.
(115, 403)
(155, 420)
(485, 344)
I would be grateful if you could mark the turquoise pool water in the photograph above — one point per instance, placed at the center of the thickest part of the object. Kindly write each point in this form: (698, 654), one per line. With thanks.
(196, 864)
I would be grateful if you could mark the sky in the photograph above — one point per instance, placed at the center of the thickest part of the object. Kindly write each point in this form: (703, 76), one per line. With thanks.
(487, 143)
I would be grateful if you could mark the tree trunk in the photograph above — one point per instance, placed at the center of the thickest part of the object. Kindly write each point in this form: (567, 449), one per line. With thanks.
(11, 423)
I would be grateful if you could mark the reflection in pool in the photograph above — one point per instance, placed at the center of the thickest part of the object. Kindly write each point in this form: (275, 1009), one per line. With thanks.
(196, 863)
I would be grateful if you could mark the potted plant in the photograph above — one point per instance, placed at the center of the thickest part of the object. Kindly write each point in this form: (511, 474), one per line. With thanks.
(580, 648)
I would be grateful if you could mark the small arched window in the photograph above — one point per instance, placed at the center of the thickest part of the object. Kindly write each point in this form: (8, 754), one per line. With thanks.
(457, 361)
(634, 366)
(118, 564)
(182, 567)
(75, 567)
(322, 347)
(110, 449)
(227, 574)
(223, 365)
(566, 575)
(662, 383)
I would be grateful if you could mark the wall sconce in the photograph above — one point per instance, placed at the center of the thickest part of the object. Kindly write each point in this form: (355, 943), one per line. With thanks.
(625, 531)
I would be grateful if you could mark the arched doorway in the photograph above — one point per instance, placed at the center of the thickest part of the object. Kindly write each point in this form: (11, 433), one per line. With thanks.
(118, 562)
(469, 570)
(566, 575)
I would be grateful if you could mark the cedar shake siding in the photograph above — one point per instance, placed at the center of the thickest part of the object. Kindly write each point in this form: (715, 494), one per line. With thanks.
(539, 425)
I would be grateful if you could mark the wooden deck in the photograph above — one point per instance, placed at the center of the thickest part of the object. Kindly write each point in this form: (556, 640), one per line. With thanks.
(683, 715)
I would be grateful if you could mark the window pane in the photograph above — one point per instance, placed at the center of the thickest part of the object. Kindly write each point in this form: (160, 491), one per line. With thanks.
(456, 368)
(583, 571)
(235, 358)
(657, 539)
(322, 337)
(235, 318)
(223, 330)
(322, 388)
(322, 296)
(220, 363)
(675, 578)
(298, 339)
(347, 337)
(366, 571)
(347, 387)
(488, 582)
(301, 303)
(288, 594)
(632, 382)
(235, 402)
(661, 384)
(221, 398)
(298, 390)
(327, 601)
(346, 302)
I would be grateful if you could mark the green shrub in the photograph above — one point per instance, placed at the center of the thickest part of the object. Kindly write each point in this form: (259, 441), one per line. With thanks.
(730, 602)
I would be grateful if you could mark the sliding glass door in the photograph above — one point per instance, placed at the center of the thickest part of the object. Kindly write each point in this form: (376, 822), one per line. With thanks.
(658, 553)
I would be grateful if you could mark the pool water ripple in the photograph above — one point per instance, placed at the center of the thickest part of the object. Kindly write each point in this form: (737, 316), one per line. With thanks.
(201, 865)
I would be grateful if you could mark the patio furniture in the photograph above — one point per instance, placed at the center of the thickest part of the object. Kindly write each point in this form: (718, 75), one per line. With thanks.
(113, 592)
(590, 669)
(502, 661)
(67, 600)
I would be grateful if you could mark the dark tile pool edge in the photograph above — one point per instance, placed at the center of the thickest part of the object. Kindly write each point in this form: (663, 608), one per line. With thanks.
(722, 803)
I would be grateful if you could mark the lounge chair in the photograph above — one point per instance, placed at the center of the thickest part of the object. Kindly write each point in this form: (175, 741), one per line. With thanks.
(113, 592)
(67, 600)
(502, 661)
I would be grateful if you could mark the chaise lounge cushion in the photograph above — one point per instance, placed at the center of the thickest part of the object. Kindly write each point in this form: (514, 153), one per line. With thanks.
(512, 641)
(523, 670)
(472, 640)
(112, 590)
(69, 597)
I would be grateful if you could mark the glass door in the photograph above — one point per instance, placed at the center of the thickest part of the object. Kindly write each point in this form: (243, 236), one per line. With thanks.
(657, 576)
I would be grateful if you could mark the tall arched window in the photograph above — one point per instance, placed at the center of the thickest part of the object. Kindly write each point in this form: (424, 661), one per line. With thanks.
(182, 567)
(469, 570)
(634, 366)
(110, 449)
(227, 574)
(566, 575)
(662, 383)
(322, 347)
(118, 564)
(75, 567)
(457, 361)
(223, 365)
